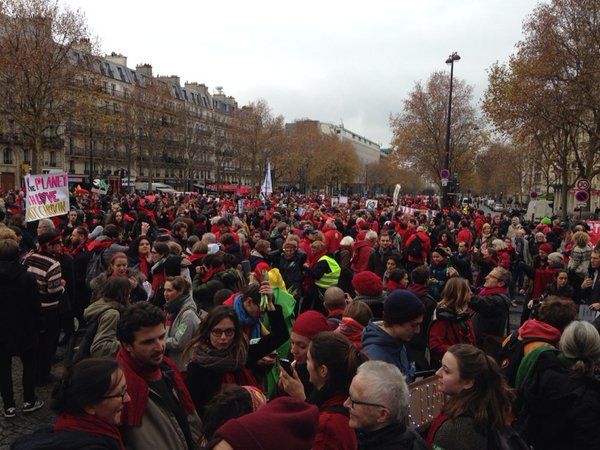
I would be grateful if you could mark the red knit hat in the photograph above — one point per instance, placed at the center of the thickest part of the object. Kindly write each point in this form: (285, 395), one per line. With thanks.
(546, 248)
(367, 283)
(310, 323)
(283, 422)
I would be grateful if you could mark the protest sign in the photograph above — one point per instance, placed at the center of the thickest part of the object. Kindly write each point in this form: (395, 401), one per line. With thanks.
(47, 195)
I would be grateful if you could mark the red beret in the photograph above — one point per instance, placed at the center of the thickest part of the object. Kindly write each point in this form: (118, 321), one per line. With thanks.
(367, 283)
(310, 323)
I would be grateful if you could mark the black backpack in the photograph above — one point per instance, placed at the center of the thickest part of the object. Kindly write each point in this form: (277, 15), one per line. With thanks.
(505, 438)
(510, 356)
(80, 343)
(95, 267)
(415, 248)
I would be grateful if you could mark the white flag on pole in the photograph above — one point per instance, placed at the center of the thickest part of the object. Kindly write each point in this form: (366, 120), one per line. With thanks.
(267, 186)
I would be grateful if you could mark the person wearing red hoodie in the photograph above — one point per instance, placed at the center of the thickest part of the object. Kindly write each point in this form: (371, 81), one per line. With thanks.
(554, 315)
(413, 262)
(362, 250)
(332, 236)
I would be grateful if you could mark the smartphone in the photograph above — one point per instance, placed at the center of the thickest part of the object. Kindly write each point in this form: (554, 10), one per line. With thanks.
(287, 366)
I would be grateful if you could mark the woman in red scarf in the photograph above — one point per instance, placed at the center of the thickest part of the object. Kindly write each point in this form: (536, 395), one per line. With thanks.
(89, 401)
(221, 354)
(140, 257)
(479, 400)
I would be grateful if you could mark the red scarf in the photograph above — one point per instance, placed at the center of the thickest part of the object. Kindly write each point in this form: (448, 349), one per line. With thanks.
(144, 268)
(435, 425)
(393, 285)
(494, 290)
(137, 376)
(77, 250)
(208, 275)
(89, 424)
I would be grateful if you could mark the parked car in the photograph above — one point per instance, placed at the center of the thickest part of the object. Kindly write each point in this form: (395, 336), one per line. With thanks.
(498, 207)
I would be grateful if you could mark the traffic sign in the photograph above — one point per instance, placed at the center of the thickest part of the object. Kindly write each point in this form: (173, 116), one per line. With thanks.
(583, 184)
(444, 181)
(533, 195)
(582, 196)
(444, 174)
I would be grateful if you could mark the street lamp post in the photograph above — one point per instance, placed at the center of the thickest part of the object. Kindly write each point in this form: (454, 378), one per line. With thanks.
(453, 57)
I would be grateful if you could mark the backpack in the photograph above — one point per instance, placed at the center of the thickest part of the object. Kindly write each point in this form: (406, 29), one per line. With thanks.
(80, 343)
(415, 248)
(510, 356)
(231, 279)
(95, 267)
(505, 438)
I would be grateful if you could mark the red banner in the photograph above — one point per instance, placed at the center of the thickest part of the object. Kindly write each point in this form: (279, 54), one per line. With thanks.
(594, 230)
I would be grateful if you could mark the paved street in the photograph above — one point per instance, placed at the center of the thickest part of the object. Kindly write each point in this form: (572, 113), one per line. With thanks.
(10, 429)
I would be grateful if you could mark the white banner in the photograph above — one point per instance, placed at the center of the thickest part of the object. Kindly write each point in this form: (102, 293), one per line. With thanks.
(396, 193)
(47, 195)
(267, 186)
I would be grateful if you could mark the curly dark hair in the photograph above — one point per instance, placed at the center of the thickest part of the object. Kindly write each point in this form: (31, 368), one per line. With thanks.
(139, 315)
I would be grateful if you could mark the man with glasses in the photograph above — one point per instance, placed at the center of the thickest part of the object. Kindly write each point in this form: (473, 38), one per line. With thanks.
(491, 308)
(161, 413)
(378, 405)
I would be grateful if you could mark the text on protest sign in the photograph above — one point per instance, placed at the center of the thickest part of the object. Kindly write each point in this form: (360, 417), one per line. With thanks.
(47, 195)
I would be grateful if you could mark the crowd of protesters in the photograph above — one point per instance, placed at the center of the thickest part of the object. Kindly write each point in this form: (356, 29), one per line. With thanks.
(242, 322)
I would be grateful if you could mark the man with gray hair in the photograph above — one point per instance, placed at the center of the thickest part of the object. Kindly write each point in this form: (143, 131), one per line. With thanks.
(491, 307)
(378, 404)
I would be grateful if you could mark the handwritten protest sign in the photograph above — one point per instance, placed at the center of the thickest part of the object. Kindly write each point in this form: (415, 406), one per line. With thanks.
(47, 195)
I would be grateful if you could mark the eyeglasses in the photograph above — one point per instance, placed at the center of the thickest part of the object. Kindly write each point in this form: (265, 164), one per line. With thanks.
(218, 332)
(354, 402)
(122, 394)
(494, 277)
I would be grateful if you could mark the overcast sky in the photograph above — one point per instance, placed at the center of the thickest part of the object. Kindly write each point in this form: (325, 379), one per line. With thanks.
(334, 61)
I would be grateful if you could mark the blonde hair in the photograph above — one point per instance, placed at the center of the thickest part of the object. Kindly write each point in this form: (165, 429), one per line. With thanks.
(456, 294)
(581, 238)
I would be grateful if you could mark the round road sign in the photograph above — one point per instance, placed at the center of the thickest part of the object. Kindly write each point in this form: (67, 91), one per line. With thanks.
(444, 174)
(582, 196)
(583, 184)
(533, 195)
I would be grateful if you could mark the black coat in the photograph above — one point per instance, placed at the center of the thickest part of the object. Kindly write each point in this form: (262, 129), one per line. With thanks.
(392, 437)
(46, 439)
(20, 308)
(561, 410)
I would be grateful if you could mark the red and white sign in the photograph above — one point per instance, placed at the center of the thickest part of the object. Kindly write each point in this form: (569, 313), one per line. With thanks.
(594, 230)
(583, 184)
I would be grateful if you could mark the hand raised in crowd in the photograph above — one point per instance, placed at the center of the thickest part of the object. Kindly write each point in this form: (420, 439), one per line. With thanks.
(145, 228)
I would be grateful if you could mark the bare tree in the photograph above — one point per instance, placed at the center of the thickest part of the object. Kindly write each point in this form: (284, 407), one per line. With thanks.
(420, 129)
(38, 69)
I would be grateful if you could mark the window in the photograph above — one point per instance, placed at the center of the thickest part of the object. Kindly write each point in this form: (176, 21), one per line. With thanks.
(7, 156)
(70, 146)
(113, 88)
(52, 159)
(71, 166)
(27, 156)
(121, 73)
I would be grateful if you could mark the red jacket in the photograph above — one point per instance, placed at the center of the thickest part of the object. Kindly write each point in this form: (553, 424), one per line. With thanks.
(360, 255)
(444, 333)
(333, 431)
(426, 246)
(332, 239)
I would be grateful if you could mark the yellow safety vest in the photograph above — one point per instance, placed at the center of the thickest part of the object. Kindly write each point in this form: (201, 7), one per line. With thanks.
(330, 278)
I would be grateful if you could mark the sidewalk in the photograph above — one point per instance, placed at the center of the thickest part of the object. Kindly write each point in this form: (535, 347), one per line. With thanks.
(10, 429)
